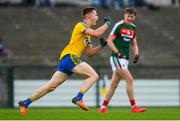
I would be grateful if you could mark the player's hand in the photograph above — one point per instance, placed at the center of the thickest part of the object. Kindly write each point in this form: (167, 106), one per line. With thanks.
(108, 20)
(103, 42)
(120, 55)
(136, 59)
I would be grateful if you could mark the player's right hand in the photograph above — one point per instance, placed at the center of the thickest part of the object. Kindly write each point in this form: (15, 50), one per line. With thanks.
(108, 20)
(120, 55)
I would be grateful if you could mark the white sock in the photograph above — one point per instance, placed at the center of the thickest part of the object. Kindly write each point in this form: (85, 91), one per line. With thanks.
(103, 106)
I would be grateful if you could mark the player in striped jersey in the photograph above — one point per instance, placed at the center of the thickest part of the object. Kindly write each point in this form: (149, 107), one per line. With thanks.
(122, 35)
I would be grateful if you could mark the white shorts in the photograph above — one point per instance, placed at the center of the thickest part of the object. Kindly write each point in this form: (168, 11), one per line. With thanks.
(118, 63)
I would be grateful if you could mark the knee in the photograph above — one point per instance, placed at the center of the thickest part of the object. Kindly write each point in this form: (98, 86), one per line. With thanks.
(95, 76)
(114, 85)
(130, 82)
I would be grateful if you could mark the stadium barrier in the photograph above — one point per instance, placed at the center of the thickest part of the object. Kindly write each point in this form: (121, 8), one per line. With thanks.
(19, 83)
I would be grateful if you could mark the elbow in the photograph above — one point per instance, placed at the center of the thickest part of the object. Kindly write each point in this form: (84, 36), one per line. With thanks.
(90, 54)
(96, 35)
(108, 42)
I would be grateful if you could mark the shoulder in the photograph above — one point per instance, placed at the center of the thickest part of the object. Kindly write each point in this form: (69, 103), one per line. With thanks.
(133, 25)
(81, 24)
(117, 27)
(119, 23)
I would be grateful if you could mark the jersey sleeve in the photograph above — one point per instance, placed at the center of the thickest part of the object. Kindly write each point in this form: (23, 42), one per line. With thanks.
(135, 33)
(82, 27)
(115, 31)
(87, 41)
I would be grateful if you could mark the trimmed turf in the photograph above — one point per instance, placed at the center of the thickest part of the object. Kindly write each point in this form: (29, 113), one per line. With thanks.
(78, 114)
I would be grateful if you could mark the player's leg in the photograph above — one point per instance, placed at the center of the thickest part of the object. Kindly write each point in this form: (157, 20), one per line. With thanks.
(84, 69)
(57, 79)
(126, 75)
(115, 81)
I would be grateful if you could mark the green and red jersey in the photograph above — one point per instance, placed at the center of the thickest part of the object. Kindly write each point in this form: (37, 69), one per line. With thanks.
(124, 34)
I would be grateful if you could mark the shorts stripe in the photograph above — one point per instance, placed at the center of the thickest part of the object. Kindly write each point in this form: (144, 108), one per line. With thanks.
(118, 62)
(75, 59)
(114, 62)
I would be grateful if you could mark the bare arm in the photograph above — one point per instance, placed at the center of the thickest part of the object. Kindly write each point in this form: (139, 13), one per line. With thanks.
(135, 47)
(135, 50)
(111, 44)
(90, 51)
(111, 38)
(97, 32)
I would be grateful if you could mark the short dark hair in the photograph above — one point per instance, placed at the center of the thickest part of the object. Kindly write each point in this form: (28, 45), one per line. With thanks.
(131, 11)
(88, 10)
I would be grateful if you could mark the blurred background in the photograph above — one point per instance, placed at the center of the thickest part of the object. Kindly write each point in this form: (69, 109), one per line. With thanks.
(34, 32)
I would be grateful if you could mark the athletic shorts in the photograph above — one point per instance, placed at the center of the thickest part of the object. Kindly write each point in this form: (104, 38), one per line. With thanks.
(118, 63)
(67, 63)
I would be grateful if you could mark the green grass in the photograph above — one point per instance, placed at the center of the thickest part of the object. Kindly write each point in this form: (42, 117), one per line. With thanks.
(78, 114)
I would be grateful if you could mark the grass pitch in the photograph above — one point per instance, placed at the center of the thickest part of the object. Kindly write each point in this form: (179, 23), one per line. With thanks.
(78, 114)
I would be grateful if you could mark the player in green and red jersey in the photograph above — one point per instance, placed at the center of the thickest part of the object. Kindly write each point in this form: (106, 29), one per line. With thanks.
(122, 35)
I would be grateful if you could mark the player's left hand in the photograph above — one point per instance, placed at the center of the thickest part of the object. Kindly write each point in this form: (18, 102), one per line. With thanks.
(136, 59)
(103, 42)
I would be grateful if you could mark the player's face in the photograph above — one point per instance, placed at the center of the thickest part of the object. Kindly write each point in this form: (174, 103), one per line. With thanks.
(94, 17)
(129, 18)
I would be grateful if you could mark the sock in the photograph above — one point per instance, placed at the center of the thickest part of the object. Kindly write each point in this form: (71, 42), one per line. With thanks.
(105, 104)
(80, 94)
(28, 101)
(132, 101)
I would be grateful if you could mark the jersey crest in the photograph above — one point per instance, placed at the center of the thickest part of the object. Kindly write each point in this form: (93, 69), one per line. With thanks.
(127, 34)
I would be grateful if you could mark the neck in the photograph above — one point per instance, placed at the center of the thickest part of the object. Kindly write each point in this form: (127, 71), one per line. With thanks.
(88, 23)
(127, 22)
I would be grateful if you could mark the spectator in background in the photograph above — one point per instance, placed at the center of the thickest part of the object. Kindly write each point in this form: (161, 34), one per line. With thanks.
(43, 3)
(97, 3)
(4, 51)
(4, 3)
(132, 3)
(27, 3)
(109, 3)
(102, 3)
(143, 4)
(118, 4)
(175, 3)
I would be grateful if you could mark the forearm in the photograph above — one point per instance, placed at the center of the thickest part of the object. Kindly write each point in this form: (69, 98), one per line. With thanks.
(99, 31)
(112, 46)
(94, 51)
(135, 50)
